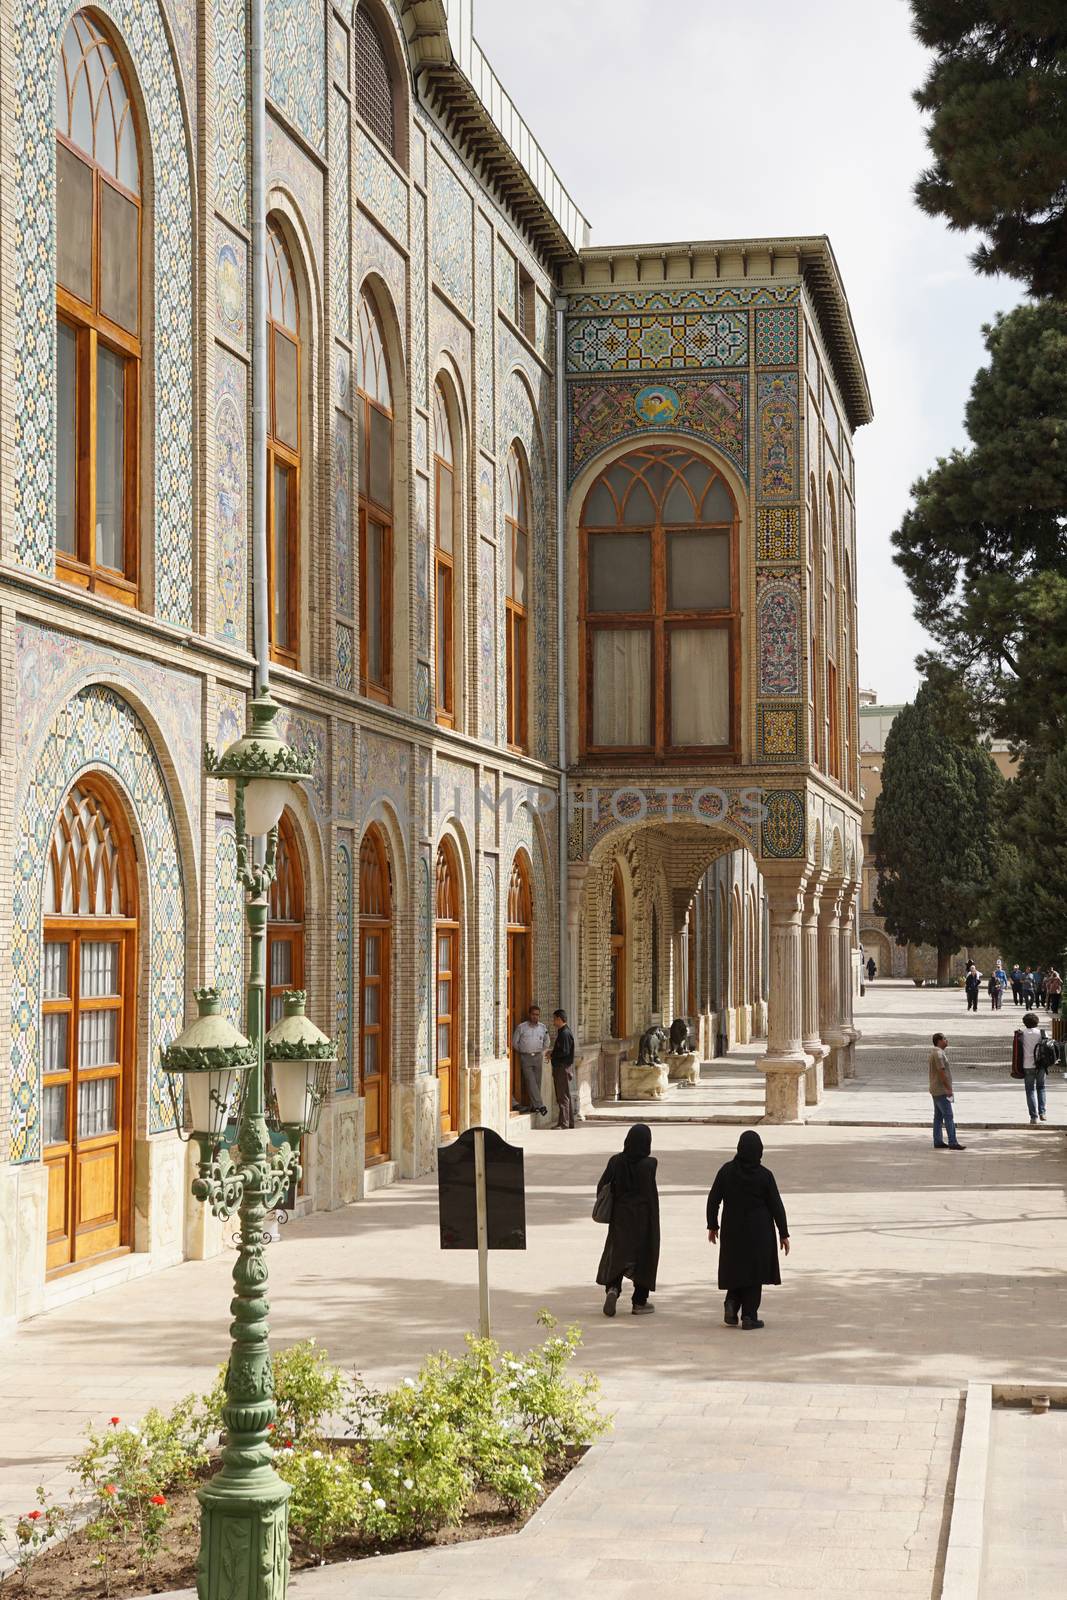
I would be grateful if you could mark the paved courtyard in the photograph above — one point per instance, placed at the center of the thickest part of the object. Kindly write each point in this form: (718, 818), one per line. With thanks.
(816, 1455)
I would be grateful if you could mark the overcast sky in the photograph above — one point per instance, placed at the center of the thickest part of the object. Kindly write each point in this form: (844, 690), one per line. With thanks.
(702, 119)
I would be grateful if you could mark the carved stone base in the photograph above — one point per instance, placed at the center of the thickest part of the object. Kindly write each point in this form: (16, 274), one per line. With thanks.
(683, 1067)
(813, 1080)
(642, 1083)
(785, 1087)
(244, 1541)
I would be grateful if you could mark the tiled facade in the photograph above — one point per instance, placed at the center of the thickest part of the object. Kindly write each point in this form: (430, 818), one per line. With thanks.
(723, 352)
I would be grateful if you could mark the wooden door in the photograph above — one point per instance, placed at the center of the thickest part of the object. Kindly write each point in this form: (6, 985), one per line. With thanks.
(88, 1028)
(447, 993)
(375, 927)
(520, 945)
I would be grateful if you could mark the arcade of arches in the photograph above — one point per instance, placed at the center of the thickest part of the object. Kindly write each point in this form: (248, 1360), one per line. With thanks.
(562, 557)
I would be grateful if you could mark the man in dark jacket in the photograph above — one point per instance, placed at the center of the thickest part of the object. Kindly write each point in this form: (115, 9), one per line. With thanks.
(563, 1071)
(753, 1225)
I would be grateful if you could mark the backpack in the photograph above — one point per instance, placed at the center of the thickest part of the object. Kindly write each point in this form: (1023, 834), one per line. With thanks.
(1044, 1052)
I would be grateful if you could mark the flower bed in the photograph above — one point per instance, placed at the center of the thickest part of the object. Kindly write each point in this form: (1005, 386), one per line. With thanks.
(466, 1449)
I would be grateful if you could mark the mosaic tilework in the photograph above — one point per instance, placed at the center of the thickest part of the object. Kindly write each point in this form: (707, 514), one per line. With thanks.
(231, 484)
(418, 154)
(30, 141)
(483, 330)
(309, 737)
(451, 224)
(666, 339)
(342, 513)
(701, 804)
(229, 722)
(776, 336)
(487, 924)
(419, 341)
(486, 508)
(375, 253)
(289, 168)
(777, 427)
(381, 188)
(231, 284)
(343, 772)
(777, 733)
(507, 270)
(183, 23)
(338, 51)
(342, 377)
(95, 730)
(340, 222)
(231, 132)
(423, 697)
(422, 564)
(229, 924)
(384, 768)
(488, 670)
(294, 62)
(421, 436)
(342, 1004)
(600, 412)
(422, 960)
(777, 533)
(623, 300)
(778, 625)
(782, 828)
(518, 420)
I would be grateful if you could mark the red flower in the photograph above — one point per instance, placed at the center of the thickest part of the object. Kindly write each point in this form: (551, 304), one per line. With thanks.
(288, 1445)
(109, 1488)
(270, 1427)
(159, 1499)
(114, 1422)
(32, 1516)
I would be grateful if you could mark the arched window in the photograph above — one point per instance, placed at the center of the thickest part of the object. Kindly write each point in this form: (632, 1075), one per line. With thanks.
(285, 923)
(89, 1026)
(516, 558)
(376, 95)
(374, 402)
(654, 960)
(814, 601)
(283, 449)
(375, 951)
(444, 558)
(618, 956)
(520, 951)
(848, 772)
(660, 612)
(831, 556)
(448, 986)
(98, 308)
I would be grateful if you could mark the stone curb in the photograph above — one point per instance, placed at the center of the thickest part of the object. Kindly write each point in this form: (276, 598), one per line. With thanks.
(963, 1554)
(616, 1119)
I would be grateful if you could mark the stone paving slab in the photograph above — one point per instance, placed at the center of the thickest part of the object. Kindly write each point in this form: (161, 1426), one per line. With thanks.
(1025, 1546)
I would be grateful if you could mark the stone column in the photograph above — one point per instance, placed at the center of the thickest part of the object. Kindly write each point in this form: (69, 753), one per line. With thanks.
(586, 1087)
(844, 941)
(830, 985)
(814, 1048)
(785, 1063)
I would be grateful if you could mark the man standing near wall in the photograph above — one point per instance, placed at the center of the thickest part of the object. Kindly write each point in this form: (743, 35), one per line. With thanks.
(941, 1093)
(531, 1041)
(563, 1071)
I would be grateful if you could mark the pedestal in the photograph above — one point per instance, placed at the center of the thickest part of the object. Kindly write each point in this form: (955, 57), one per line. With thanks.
(813, 1078)
(785, 1088)
(642, 1083)
(244, 1543)
(683, 1067)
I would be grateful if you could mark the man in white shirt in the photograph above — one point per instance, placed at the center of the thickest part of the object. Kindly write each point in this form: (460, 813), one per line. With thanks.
(1027, 1039)
(532, 1043)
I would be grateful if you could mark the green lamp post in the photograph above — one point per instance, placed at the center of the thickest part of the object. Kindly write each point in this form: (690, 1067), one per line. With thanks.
(244, 1531)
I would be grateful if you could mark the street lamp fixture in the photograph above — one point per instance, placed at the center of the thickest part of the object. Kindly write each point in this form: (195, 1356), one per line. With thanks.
(244, 1525)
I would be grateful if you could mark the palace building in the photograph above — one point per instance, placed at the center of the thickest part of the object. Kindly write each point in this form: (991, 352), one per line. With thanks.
(560, 598)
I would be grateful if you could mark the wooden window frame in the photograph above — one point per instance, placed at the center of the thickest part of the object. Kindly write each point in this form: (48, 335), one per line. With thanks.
(444, 577)
(660, 621)
(92, 328)
(281, 454)
(447, 927)
(516, 625)
(369, 509)
(520, 900)
(378, 925)
(619, 963)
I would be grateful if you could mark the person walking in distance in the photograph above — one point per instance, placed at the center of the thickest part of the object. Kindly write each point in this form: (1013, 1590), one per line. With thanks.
(1017, 984)
(942, 1096)
(531, 1041)
(632, 1247)
(972, 983)
(1032, 1053)
(871, 969)
(994, 991)
(563, 1071)
(753, 1226)
(1053, 991)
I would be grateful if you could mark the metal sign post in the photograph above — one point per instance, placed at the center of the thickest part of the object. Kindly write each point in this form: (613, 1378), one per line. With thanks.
(482, 1218)
(482, 1202)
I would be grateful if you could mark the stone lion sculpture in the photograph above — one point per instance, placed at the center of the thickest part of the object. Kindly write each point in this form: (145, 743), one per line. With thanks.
(652, 1041)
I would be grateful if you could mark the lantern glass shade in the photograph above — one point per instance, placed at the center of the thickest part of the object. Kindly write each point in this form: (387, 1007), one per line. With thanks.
(210, 1094)
(294, 1082)
(264, 803)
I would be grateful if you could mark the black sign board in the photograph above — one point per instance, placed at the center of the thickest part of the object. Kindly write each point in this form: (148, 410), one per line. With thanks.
(505, 1197)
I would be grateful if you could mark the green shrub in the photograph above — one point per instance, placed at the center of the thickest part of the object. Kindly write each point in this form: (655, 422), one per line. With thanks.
(559, 1414)
(328, 1496)
(308, 1391)
(34, 1533)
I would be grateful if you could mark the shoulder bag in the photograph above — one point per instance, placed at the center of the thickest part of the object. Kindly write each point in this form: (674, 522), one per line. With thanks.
(604, 1206)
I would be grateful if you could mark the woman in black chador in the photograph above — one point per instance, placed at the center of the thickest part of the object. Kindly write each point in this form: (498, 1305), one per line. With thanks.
(632, 1248)
(752, 1214)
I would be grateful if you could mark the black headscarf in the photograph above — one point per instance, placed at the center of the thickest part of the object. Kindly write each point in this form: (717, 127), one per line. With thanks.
(635, 1147)
(750, 1148)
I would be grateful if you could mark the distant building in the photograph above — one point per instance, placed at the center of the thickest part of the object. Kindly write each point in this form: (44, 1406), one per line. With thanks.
(892, 959)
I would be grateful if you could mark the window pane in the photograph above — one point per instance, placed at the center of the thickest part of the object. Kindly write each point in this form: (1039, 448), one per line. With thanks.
(74, 224)
(445, 492)
(372, 1005)
(443, 1042)
(56, 971)
(444, 997)
(281, 963)
(56, 1028)
(277, 1008)
(698, 571)
(361, 447)
(719, 506)
(678, 506)
(286, 397)
(381, 459)
(518, 576)
(620, 572)
(54, 1114)
(100, 970)
(110, 459)
(370, 1055)
(622, 667)
(282, 512)
(444, 951)
(639, 510)
(600, 507)
(96, 1107)
(370, 957)
(118, 258)
(444, 663)
(66, 439)
(98, 1034)
(373, 580)
(700, 686)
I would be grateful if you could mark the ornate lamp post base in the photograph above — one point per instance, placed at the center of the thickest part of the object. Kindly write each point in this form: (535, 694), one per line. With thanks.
(244, 1539)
